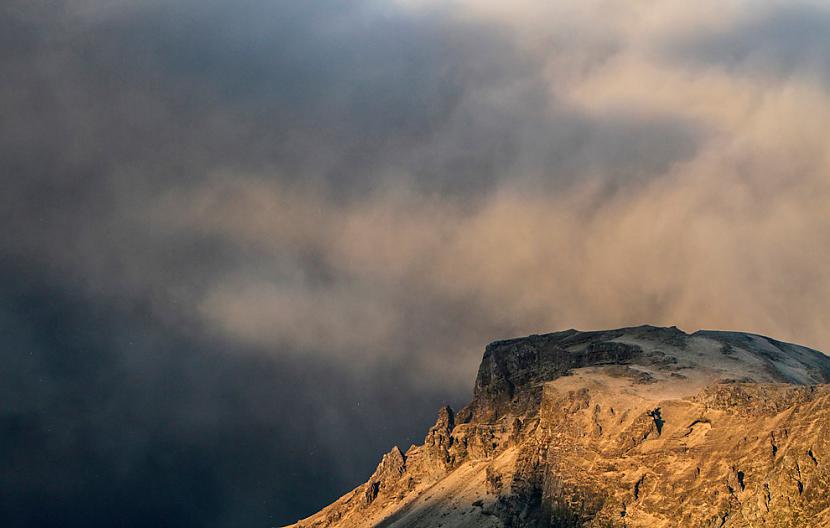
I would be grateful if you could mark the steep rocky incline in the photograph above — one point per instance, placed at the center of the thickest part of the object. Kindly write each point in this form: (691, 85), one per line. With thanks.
(635, 427)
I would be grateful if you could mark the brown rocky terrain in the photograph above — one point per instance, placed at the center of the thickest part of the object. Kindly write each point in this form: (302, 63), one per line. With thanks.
(636, 427)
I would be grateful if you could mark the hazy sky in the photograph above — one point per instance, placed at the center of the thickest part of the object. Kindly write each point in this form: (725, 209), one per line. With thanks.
(248, 246)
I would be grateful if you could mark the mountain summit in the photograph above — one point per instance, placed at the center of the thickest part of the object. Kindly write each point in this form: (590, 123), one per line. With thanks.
(634, 427)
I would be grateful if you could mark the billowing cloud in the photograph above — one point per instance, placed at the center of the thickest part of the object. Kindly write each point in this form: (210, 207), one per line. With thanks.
(336, 203)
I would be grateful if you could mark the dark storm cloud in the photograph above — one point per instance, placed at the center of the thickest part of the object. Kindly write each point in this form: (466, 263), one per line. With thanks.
(249, 246)
(779, 42)
(118, 407)
(110, 418)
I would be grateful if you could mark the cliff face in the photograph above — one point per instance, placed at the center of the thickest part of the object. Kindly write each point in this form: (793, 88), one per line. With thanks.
(632, 427)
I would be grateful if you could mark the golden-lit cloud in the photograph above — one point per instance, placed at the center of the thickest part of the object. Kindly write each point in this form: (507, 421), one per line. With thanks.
(731, 235)
(490, 169)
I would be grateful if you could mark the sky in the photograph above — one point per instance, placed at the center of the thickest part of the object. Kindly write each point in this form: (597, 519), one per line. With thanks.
(249, 246)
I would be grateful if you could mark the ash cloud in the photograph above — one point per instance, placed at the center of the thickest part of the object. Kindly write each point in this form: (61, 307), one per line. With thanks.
(248, 247)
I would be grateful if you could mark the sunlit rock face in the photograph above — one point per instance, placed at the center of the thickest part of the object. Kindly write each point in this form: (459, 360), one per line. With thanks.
(635, 427)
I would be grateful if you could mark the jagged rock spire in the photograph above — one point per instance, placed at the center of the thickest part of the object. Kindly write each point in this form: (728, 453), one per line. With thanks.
(389, 471)
(439, 438)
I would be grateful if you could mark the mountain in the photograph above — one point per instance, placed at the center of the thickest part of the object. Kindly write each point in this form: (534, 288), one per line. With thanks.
(635, 427)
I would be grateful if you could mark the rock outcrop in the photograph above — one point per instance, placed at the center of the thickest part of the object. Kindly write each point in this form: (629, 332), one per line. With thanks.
(636, 427)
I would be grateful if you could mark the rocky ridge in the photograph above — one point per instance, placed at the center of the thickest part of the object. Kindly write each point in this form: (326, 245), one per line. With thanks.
(631, 427)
